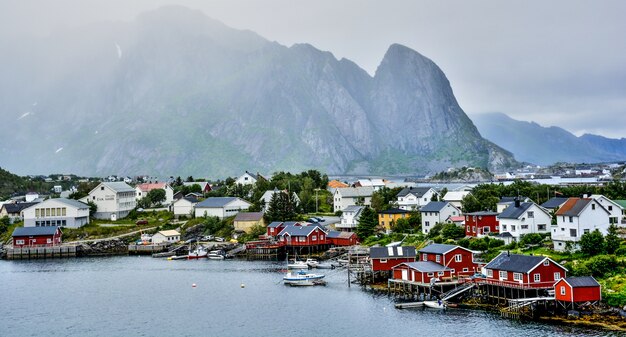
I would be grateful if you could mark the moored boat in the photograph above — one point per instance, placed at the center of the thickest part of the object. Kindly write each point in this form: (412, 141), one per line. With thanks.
(301, 277)
(198, 253)
(216, 255)
(439, 304)
(312, 263)
(298, 265)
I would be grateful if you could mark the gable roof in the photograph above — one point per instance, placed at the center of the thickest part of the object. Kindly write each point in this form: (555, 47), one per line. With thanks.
(147, 187)
(582, 281)
(394, 211)
(417, 191)
(249, 216)
(170, 232)
(621, 203)
(192, 200)
(216, 202)
(434, 206)
(340, 235)
(33, 231)
(392, 252)
(554, 202)
(517, 263)
(575, 206)
(17, 207)
(337, 184)
(513, 212)
(116, 186)
(351, 192)
(353, 208)
(455, 195)
(275, 224)
(293, 230)
(439, 248)
(483, 213)
(425, 266)
(70, 202)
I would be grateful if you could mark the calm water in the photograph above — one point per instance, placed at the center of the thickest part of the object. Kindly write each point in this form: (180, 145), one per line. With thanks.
(142, 296)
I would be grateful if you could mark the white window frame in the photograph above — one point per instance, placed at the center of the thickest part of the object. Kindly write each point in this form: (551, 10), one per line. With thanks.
(430, 274)
(537, 278)
(557, 276)
(503, 275)
(438, 258)
(458, 258)
(383, 260)
(440, 273)
(489, 272)
(562, 290)
(518, 277)
(546, 263)
(465, 270)
(424, 257)
(19, 242)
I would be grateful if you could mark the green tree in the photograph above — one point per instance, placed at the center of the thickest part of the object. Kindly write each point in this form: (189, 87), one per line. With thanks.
(531, 239)
(5, 222)
(435, 230)
(93, 208)
(592, 243)
(612, 240)
(282, 207)
(367, 223)
(452, 231)
(470, 204)
(156, 196)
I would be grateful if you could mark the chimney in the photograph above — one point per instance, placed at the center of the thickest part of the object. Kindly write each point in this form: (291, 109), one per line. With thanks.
(517, 203)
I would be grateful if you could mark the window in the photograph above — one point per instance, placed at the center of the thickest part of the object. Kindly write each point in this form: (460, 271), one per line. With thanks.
(427, 224)
(36, 212)
(531, 215)
(424, 257)
(513, 228)
(571, 219)
(503, 275)
(468, 228)
(47, 212)
(517, 276)
(593, 206)
(524, 226)
(546, 263)
(49, 240)
(63, 211)
(383, 260)
(497, 228)
(438, 258)
(541, 227)
(485, 229)
(562, 290)
(610, 208)
(465, 270)
(53, 212)
(586, 231)
(431, 274)
(302, 239)
(489, 272)
(537, 277)
(440, 273)
(19, 242)
(458, 258)
(557, 276)
(102, 188)
(503, 227)
(314, 238)
(572, 233)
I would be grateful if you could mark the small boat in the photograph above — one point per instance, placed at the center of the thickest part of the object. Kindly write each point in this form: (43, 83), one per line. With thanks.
(180, 257)
(301, 277)
(198, 253)
(216, 255)
(298, 265)
(308, 283)
(439, 304)
(312, 263)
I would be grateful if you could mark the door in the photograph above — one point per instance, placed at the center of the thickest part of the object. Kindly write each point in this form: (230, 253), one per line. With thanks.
(405, 274)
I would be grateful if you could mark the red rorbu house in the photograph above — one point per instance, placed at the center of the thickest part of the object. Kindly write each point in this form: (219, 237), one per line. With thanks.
(302, 236)
(571, 291)
(337, 238)
(459, 260)
(36, 236)
(274, 228)
(421, 272)
(522, 272)
(384, 258)
(479, 224)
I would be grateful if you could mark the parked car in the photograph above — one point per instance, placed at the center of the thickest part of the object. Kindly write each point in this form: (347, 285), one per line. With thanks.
(141, 222)
(313, 220)
(320, 219)
(219, 239)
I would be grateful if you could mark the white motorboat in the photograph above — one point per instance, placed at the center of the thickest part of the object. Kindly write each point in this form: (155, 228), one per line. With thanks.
(297, 265)
(301, 277)
(198, 253)
(439, 304)
(216, 255)
(312, 263)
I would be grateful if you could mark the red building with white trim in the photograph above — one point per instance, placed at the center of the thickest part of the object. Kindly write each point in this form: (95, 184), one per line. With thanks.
(302, 236)
(479, 224)
(421, 272)
(36, 236)
(340, 238)
(460, 260)
(385, 258)
(523, 271)
(574, 290)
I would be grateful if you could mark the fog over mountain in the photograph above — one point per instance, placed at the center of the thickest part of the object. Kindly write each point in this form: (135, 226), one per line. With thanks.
(175, 92)
(531, 142)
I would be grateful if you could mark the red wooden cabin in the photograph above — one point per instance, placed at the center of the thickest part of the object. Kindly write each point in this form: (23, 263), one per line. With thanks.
(301, 235)
(479, 224)
(460, 260)
(337, 238)
(523, 271)
(421, 272)
(384, 258)
(577, 290)
(36, 236)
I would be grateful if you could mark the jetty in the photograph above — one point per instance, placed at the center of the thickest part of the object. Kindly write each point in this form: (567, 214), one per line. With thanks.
(43, 252)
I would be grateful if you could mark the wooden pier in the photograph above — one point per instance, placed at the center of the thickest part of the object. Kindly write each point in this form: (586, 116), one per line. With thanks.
(147, 249)
(265, 250)
(43, 252)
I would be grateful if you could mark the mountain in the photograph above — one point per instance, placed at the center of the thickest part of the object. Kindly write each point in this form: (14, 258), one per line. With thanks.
(533, 143)
(175, 92)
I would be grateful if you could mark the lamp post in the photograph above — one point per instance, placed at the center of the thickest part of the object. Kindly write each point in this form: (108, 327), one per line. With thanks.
(317, 189)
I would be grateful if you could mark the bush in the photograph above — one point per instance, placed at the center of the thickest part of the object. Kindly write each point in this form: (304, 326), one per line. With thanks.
(452, 231)
(435, 231)
(531, 239)
(478, 245)
(464, 242)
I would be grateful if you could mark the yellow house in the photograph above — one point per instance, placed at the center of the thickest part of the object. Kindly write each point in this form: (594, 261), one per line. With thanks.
(245, 221)
(388, 217)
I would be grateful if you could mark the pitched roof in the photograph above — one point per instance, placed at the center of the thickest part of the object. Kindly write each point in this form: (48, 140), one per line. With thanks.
(275, 224)
(438, 248)
(192, 200)
(71, 202)
(621, 203)
(455, 195)
(582, 281)
(337, 184)
(117, 186)
(249, 216)
(513, 212)
(434, 206)
(554, 203)
(417, 191)
(392, 252)
(515, 262)
(170, 232)
(426, 266)
(340, 235)
(574, 206)
(483, 213)
(215, 202)
(457, 218)
(293, 230)
(147, 187)
(32, 231)
(17, 207)
(394, 211)
(351, 192)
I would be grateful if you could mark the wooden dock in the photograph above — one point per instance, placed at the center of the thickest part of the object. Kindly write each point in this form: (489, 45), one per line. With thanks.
(45, 252)
(147, 249)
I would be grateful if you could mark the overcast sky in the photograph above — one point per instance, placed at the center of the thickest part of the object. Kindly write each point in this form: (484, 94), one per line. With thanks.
(557, 63)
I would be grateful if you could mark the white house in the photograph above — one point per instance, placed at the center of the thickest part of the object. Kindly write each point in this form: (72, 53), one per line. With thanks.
(524, 218)
(169, 236)
(508, 201)
(455, 197)
(349, 218)
(143, 189)
(221, 207)
(437, 212)
(248, 179)
(267, 197)
(376, 184)
(184, 206)
(58, 212)
(352, 196)
(14, 210)
(576, 217)
(412, 198)
(611, 206)
(114, 200)
(31, 196)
